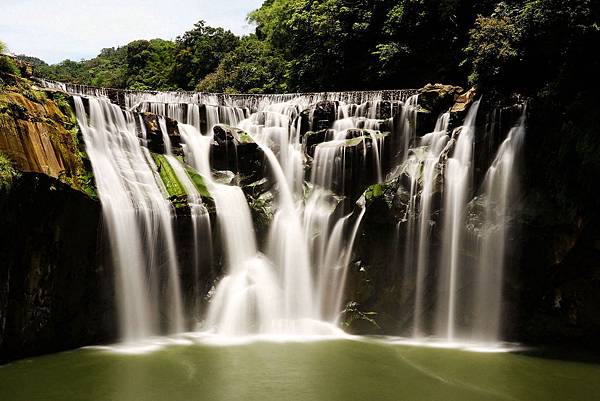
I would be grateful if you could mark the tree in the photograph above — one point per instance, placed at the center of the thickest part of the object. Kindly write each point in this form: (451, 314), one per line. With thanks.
(7, 64)
(198, 53)
(253, 67)
(149, 64)
(533, 46)
(325, 42)
(368, 44)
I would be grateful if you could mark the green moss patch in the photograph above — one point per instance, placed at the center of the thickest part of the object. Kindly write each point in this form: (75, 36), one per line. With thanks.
(168, 177)
(199, 183)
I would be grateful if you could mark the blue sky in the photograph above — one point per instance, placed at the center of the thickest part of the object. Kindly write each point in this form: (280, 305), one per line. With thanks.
(54, 30)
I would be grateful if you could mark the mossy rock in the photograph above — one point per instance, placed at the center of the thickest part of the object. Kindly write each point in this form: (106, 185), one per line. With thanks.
(168, 177)
(40, 134)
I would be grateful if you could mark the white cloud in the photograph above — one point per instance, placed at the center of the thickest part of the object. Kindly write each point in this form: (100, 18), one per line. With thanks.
(75, 29)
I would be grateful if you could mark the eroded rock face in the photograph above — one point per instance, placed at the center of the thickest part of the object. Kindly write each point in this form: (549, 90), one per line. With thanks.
(40, 135)
(462, 104)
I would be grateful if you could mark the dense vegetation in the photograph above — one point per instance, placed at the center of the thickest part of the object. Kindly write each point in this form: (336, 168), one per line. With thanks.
(7, 66)
(310, 45)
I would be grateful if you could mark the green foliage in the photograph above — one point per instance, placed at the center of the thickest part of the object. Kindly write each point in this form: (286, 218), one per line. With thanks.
(109, 69)
(199, 52)
(253, 67)
(148, 64)
(83, 180)
(262, 209)
(531, 46)
(546, 50)
(40, 67)
(355, 44)
(7, 64)
(326, 43)
(7, 173)
(69, 71)
(142, 64)
(374, 191)
(527, 46)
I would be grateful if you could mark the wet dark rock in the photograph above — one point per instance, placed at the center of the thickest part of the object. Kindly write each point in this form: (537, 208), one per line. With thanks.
(311, 139)
(55, 292)
(355, 161)
(318, 117)
(234, 150)
(225, 134)
(385, 110)
(324, 114)
(154, 136)
(425, 122)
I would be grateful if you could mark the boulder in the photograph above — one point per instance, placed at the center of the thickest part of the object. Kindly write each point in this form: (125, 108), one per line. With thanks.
(311, 139)
(463, 102)
(234, 150)
(438, 98)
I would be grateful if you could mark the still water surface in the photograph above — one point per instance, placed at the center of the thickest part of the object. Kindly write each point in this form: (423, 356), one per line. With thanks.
(343, 370)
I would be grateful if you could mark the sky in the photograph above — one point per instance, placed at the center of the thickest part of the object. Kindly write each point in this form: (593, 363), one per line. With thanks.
(54, 30)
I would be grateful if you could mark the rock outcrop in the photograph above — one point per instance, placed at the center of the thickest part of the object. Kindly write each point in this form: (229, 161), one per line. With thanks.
(55, 292)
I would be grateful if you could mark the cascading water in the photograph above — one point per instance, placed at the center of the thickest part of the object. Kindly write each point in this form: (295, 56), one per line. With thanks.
(458, 182)
(500, 193)
(295, 285)
(248, 296)
(201, 227)
(138, 220)
(435, 143)
(277, 293)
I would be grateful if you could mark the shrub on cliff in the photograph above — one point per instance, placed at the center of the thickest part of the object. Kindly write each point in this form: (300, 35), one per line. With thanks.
(7, 173)
(7, 64)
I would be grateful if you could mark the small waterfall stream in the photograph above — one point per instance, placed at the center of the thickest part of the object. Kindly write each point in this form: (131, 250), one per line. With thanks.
(457, 181)
(500, 193)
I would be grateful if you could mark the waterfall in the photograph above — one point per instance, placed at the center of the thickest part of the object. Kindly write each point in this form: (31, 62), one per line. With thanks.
(500, 192)
(457, 186)
(138, 220)
(321, 151)
(247, 298)
(435, 143)
(278, 291)
(201, 227)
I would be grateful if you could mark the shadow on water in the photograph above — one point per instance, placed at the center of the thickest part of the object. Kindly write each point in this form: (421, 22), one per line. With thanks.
(566, 353)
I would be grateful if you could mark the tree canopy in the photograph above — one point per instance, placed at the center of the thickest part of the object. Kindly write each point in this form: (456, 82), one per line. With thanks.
(315, 45)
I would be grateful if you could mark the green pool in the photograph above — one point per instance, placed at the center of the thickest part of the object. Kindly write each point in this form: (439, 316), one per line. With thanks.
(344, 370)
